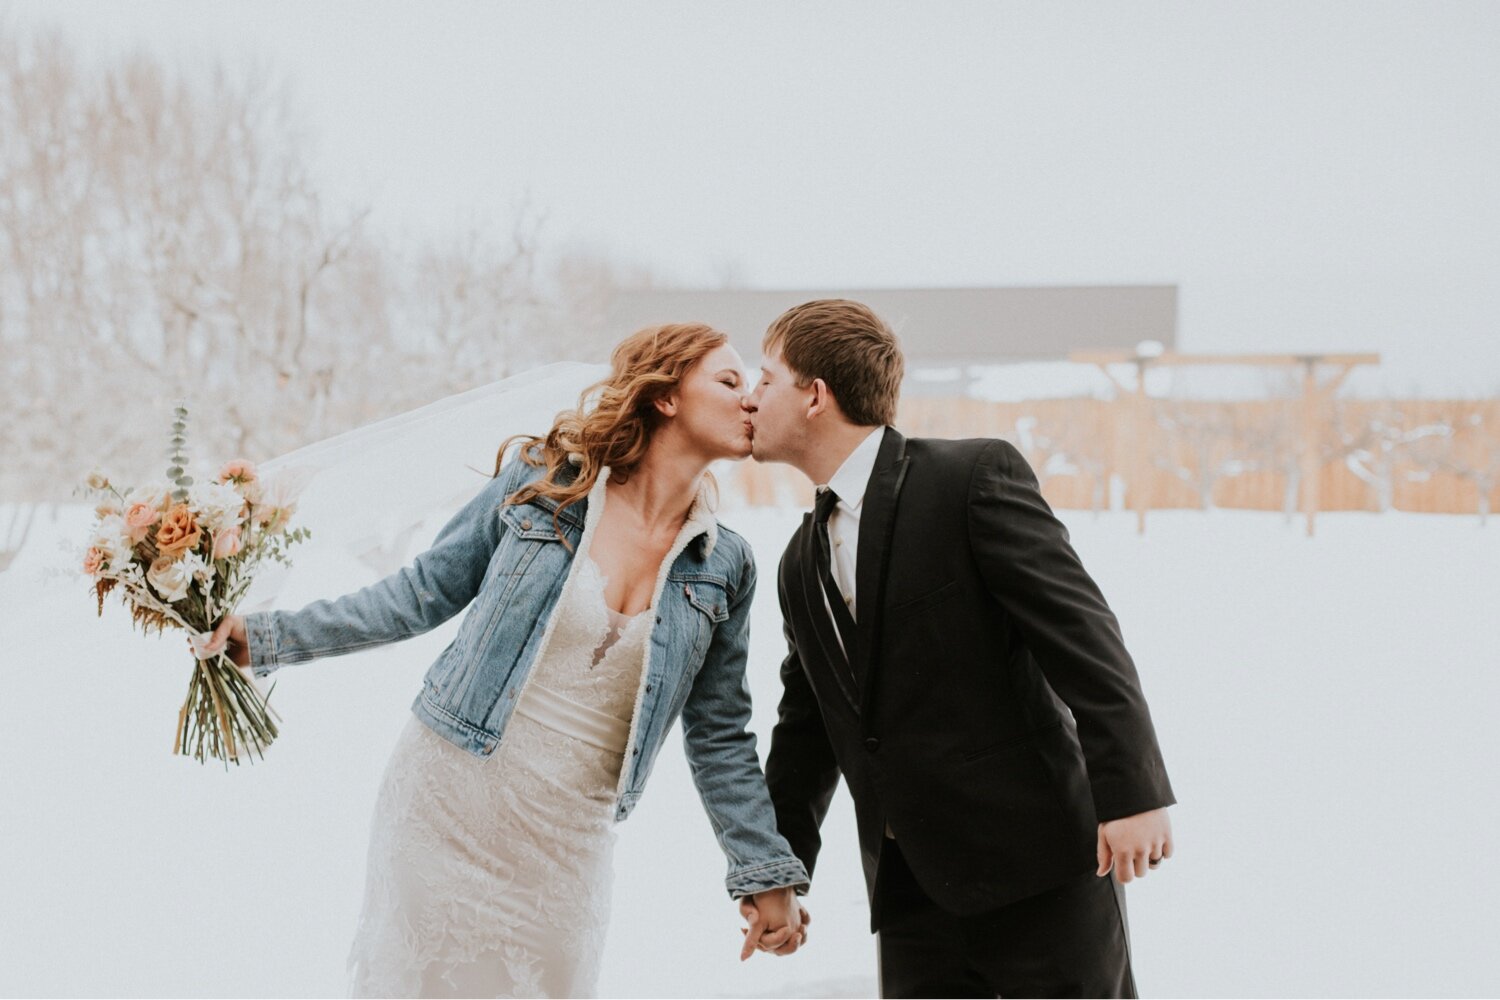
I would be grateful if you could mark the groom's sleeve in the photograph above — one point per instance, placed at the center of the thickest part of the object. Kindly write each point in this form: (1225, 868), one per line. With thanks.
(1030, 568)
(800, 769)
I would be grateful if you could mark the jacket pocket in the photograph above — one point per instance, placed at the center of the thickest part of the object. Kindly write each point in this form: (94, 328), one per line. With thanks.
(528, 522)
(708, 597)
(1023, 740)
(922, 602)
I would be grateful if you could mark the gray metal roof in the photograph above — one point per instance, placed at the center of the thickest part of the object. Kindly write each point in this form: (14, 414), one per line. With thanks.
(937, 326)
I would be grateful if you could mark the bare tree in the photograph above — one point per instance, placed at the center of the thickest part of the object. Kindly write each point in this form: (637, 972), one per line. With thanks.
(1203, 443)
(1057, 446)
(1375, 445)
(162, 238)
(1466, 446)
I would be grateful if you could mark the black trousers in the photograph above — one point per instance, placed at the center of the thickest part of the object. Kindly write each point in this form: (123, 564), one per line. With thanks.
(1071, 941)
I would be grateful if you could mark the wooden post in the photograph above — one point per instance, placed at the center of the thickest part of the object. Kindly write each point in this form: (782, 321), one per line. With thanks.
(1314, 396)
(1311, 445)
(1125, 398)
(1142, 469)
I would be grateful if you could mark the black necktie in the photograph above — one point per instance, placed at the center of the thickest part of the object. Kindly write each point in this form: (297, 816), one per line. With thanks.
(842, 618)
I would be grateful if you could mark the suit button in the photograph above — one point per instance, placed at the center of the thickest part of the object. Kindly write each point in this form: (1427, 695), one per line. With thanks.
(872, 744)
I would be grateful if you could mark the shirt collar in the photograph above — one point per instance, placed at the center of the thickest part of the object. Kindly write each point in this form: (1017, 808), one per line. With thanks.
(854, 475)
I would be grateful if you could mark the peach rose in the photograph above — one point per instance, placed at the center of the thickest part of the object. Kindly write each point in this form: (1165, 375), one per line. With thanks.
(227, 543)
(139, 517)
(179, 531)
(93, 562)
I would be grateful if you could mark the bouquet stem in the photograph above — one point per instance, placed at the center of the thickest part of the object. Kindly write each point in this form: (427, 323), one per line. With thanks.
(224, 715)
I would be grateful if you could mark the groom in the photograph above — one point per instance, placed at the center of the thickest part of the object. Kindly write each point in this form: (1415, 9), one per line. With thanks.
(950, 657)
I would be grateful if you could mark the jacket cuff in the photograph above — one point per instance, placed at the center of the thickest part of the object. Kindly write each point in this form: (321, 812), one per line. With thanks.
(1142, 790)
(775, 875)
(260, 627)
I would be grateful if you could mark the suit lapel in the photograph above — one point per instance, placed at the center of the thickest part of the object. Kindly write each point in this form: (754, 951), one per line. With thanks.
(818, 616)
(877, 521)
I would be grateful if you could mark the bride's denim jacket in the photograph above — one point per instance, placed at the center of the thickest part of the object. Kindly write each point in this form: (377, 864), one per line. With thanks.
(508, 566)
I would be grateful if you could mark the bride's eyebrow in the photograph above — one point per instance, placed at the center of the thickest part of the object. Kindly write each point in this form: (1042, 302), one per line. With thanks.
(731, 372)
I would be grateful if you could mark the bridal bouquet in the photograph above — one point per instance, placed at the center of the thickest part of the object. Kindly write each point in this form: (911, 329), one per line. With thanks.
(182, 556)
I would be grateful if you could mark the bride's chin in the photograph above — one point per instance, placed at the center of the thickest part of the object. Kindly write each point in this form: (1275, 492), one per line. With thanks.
(741, 451)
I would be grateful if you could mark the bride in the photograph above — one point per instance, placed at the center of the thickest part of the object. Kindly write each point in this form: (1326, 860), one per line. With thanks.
(604, 600)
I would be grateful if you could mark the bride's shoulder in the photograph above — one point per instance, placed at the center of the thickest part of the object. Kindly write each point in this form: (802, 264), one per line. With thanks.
(517, 472)
(734, 555)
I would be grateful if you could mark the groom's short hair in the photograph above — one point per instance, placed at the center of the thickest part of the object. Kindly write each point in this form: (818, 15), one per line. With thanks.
(851, 349)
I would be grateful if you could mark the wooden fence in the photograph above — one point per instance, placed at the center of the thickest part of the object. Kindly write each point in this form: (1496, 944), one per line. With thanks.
(1429, 456)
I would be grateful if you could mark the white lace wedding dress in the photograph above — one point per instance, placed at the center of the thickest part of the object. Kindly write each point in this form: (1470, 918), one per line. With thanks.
(490, 877)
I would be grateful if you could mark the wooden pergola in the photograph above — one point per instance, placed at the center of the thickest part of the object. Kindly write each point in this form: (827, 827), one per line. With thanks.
(1315, 397)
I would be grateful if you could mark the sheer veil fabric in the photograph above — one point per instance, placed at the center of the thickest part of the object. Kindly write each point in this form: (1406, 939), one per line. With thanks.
(369, 493)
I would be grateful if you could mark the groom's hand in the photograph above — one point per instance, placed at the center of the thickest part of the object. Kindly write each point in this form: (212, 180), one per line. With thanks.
(778, 923)
(1134, 845)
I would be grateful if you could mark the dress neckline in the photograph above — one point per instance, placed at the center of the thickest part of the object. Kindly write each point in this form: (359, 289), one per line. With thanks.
(604, 577)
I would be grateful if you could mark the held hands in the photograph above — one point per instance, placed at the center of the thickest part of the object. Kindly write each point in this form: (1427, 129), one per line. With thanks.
(1134, 845)
(778, 923)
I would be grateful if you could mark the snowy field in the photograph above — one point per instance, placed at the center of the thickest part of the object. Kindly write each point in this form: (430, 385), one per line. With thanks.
(1327, 709)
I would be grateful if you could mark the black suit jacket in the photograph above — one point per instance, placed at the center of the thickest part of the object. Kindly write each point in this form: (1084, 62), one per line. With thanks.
(990, 713)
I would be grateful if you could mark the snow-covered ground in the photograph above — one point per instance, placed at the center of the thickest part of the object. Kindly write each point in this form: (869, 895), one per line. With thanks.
(1326, 707)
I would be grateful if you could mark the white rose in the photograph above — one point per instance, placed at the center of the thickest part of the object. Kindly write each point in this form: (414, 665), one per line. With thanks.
(170, 577)
(113, 540)
(218, 505)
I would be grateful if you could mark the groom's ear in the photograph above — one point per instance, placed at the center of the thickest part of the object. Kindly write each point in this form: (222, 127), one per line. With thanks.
(821, 400)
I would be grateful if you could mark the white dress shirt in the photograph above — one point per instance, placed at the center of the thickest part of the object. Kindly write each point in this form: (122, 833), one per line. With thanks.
(849, 483)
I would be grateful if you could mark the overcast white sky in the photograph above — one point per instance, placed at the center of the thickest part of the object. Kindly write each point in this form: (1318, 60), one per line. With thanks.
(1312, 175)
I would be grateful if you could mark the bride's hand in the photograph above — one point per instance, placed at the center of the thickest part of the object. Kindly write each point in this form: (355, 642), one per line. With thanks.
(231, 637)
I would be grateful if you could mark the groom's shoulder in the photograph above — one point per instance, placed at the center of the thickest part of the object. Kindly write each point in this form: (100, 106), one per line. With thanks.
(957, 455)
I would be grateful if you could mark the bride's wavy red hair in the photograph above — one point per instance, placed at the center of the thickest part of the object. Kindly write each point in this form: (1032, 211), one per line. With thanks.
(615, 417)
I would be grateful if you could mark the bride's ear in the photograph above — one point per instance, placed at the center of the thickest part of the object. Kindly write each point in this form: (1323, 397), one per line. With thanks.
(667, 405)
